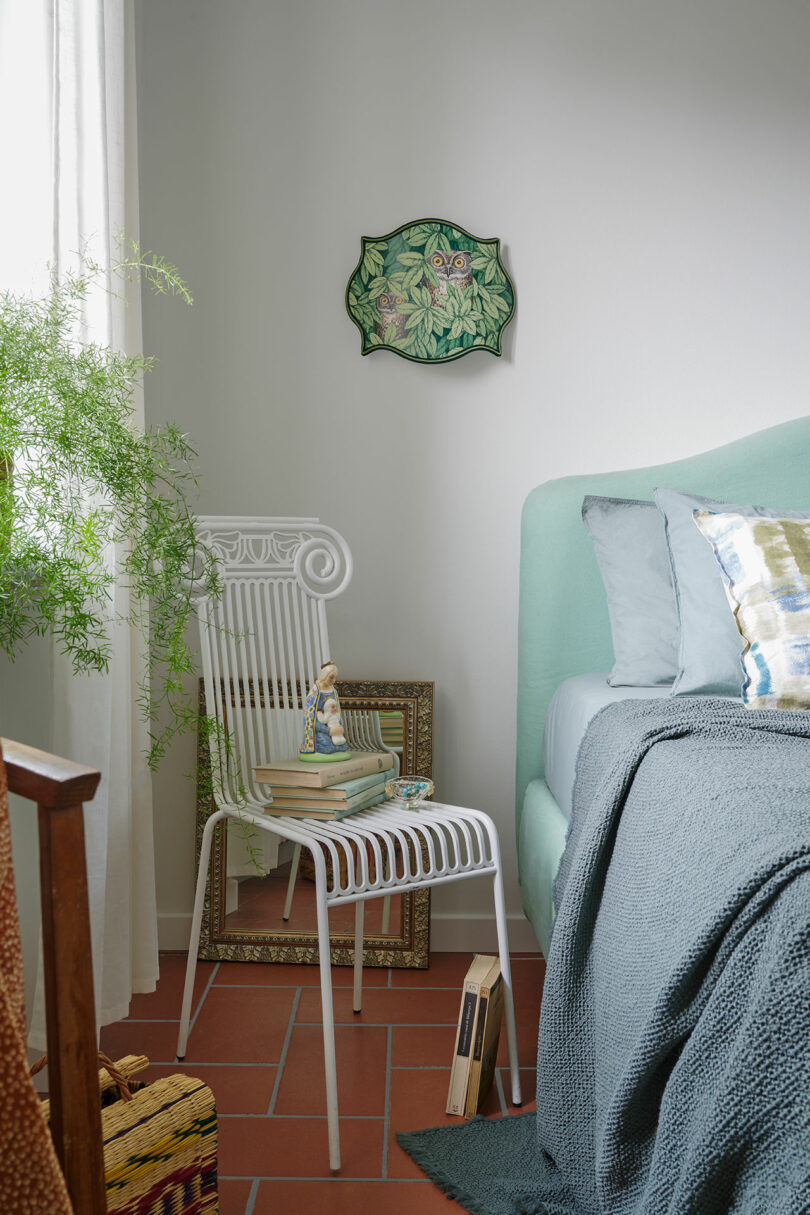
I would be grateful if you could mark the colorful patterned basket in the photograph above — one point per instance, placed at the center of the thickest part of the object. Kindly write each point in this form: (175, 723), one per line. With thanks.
(160, 1147)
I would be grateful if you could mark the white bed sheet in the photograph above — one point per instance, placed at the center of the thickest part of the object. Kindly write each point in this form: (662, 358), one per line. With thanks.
(573, 706)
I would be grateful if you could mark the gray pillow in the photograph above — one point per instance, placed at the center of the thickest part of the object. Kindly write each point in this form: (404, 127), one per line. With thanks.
(709, 659)
(630, 544)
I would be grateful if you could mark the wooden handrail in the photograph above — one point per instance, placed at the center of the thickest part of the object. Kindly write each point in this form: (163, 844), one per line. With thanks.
(59, 787)
(45, 779)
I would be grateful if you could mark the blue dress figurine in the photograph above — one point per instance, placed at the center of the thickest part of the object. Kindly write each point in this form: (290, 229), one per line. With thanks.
(324, 738)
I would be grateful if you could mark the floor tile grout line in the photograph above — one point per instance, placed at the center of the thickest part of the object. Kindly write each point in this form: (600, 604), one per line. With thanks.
(285, 1047)
(387, 1102)
(321, 1117)
(369, 987)
(329, 1177)
(395, 1067)
(147, 1021)
(251, 1201)
(402, 1024)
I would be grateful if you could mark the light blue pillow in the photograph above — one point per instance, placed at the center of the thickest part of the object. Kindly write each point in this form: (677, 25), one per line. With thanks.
(631, 551)
(710, 654)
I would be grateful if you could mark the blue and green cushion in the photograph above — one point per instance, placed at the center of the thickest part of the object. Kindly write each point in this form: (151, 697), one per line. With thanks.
(765, 567)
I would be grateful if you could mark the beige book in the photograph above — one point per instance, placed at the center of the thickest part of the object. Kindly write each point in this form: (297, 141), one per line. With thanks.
(320, 776)
(465, 1032)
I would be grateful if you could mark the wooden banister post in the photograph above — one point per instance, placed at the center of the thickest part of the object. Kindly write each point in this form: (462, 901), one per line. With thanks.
(59, 789)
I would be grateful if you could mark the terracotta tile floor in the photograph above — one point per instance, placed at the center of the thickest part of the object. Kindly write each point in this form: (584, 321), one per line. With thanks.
(256, 1040)
(261, 904)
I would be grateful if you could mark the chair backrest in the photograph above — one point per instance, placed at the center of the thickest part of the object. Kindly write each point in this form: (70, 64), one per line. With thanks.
(265, 638)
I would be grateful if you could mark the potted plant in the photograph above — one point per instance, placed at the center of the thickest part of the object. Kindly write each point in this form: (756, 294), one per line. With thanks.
(79, 480)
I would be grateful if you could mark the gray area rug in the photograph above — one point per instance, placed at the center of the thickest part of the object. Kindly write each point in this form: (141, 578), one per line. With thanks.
(491, 1166)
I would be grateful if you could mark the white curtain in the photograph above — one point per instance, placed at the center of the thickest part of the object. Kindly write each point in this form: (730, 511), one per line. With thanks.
(82, 194)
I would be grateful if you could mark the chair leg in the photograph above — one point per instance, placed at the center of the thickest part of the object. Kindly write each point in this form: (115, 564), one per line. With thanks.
(506, 972)
(359, 916)
(386, 907)
(296, 861)
(196, 924)
(330, 1066)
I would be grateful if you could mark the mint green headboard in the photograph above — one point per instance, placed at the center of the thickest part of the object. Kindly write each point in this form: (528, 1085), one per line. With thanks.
(563, 627)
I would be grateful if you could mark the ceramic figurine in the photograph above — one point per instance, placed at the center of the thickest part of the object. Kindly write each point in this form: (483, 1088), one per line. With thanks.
(324, 736)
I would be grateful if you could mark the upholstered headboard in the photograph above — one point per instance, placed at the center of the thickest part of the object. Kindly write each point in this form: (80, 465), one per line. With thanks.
(563, 626)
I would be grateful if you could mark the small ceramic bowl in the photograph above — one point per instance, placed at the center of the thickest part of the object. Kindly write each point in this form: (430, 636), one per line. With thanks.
(412, 790)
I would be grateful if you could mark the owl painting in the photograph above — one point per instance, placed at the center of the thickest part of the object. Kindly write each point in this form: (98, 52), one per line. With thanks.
(451, 269)
(430, 292)
(387, 305)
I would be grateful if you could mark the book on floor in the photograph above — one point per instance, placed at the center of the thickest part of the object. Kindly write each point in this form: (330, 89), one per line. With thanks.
(368, 796)
(320, 776)
(331, 793)
(485, 1040)
(336, 810)
(465, 1033)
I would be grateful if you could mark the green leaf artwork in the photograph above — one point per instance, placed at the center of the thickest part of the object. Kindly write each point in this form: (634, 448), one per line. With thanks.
(430, 292)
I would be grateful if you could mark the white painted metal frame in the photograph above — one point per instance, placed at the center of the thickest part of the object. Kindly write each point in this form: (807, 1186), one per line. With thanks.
(430, 847)
(267, 632)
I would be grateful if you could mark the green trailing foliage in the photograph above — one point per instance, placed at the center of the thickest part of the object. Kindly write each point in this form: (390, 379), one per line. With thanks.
(77, 476)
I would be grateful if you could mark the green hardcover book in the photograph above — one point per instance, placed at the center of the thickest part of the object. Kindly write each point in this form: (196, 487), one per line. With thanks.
(301, 810)
(338, 793)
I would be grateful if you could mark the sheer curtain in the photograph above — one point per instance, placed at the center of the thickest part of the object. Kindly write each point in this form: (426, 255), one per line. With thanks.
(67, 77)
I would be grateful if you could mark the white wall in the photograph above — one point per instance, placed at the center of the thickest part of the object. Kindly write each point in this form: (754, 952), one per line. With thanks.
(647, 166)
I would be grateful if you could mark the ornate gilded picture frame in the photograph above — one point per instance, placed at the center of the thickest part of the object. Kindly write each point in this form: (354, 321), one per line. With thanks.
(430, 292)
(407, 708)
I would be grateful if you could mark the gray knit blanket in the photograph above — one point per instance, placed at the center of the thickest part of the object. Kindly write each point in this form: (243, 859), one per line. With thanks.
(674, 1046)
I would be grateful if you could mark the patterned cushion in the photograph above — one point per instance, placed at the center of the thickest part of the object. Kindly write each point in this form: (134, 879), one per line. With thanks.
(765, 565)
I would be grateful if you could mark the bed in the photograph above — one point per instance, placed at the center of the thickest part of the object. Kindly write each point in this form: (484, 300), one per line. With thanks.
(564, 628)
(663, 791)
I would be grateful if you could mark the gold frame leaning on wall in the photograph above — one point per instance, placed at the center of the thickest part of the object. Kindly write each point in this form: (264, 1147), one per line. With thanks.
(410, 949)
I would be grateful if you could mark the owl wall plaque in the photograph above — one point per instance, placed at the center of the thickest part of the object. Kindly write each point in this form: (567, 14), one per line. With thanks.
(430, 292)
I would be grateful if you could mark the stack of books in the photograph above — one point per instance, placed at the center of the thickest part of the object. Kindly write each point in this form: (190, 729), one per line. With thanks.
(479, 1027)
(326, 791)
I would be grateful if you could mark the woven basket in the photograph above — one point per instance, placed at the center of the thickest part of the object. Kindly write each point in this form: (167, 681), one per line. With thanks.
(160, 1147)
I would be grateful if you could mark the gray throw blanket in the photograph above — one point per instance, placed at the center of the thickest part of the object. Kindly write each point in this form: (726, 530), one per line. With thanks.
(674, 1048)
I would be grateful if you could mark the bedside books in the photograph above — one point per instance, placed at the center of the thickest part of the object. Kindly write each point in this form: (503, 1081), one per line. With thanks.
(324, 808)
(467, 1017)
(331, 793)
(322, 776)
(335, 800)
(485, 1043)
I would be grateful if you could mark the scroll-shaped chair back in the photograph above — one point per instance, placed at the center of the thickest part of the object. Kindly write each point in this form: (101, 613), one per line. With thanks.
(264, 639)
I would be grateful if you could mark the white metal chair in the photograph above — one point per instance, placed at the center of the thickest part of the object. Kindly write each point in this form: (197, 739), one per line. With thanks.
(261, 642)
